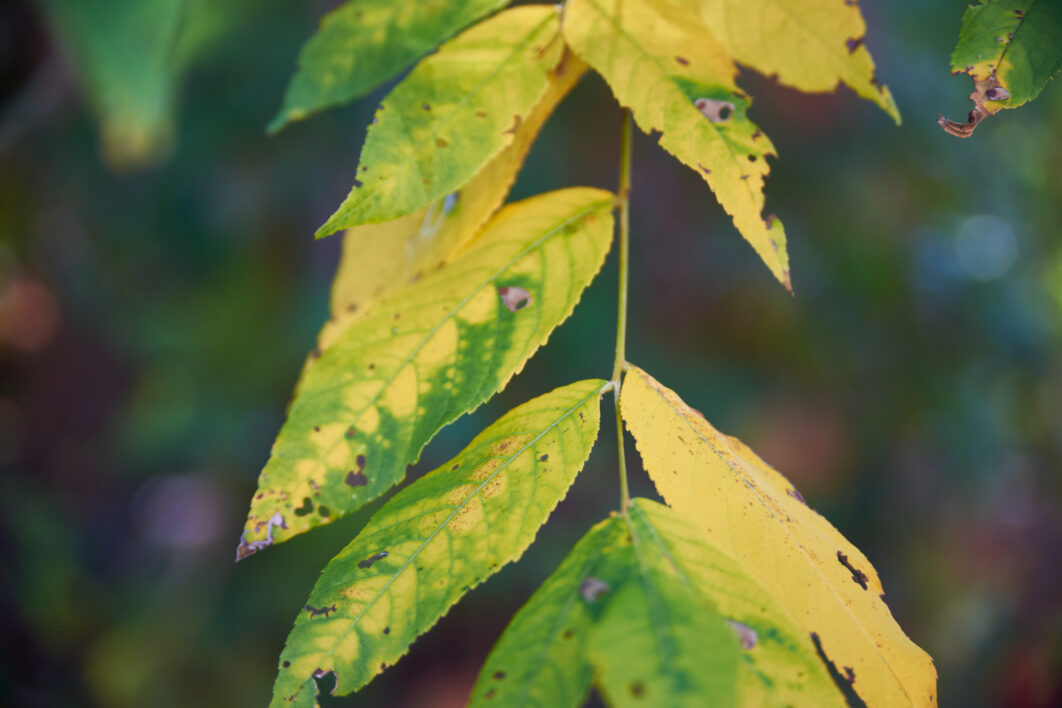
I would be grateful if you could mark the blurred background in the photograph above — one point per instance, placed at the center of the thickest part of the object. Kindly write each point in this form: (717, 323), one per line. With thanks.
(160, 286)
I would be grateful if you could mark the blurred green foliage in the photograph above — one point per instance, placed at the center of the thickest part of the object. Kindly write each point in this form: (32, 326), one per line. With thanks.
(152, 324)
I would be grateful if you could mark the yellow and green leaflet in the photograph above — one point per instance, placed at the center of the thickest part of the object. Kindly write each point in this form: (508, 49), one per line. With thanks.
(779, 665)
(455, 111)
(435, 540)
(810, 45)
(679, 81)
(365, 42)
(1011, 49)
(423, 357)
(626, 599)
(752, 513)
(381, 258)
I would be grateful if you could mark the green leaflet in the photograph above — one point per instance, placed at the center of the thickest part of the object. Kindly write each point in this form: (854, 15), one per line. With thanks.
(365, 42)
(541, 658)
(454, 112)
(423, 357)
(779, 665)
(379, 259)
(1011, 49)
(130, 55)
(659, 641)
(437, 539)
(677, 80)
(659, 615)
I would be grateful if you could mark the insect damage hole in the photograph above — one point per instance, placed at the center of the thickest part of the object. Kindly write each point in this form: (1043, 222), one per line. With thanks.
(714, 109)
(514, 298)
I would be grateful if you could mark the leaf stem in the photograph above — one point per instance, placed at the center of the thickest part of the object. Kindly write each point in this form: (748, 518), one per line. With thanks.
(623, 192)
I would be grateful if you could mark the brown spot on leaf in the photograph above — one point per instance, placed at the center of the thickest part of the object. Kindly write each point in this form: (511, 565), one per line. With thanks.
(387, 630)
(567, 634)
(285, 665)
(367, 563)
(714, 109)
(499, 675)
(490, 694)
(425, 106)
(637, 689)
(682, 60)
(592, 588)
(704, 169)
(439, 142)
(315, 611)
(356, 479)
(997, 93)
(350, 432)
(853, 44)
(849, 673)
(306, 508)
(752, 158)
(512, 129)
(514, 298)
(543, 458)
(858, 576)
(481, 114)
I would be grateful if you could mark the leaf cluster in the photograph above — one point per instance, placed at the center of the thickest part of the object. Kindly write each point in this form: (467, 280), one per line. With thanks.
(733, 589)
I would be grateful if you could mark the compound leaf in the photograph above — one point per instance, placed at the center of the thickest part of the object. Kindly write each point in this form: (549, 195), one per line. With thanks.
(457, 109)
(752, 513)
(361, 44)
(679, 81)
(810, 45)
(424, 356)
(381, 258)
(1011, 49)
(437, 539)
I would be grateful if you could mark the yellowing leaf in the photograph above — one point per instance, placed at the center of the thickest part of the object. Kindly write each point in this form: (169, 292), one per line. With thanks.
(1011, 49)
(381, 258)
(423, 357)
(678, 80)
(437, 539)
(808, 44)
(364, 42)
(753, 514)
(457, 109)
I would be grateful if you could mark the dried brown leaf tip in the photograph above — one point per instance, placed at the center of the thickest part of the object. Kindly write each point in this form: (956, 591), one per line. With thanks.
(985, 91)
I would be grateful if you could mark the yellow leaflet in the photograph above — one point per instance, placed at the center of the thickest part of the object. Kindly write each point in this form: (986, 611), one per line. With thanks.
(808, 44)
(381, 258)
(679, 81)
(753, 514)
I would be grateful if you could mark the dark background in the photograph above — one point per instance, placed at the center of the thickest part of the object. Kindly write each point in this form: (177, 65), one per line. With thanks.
(153, 320)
